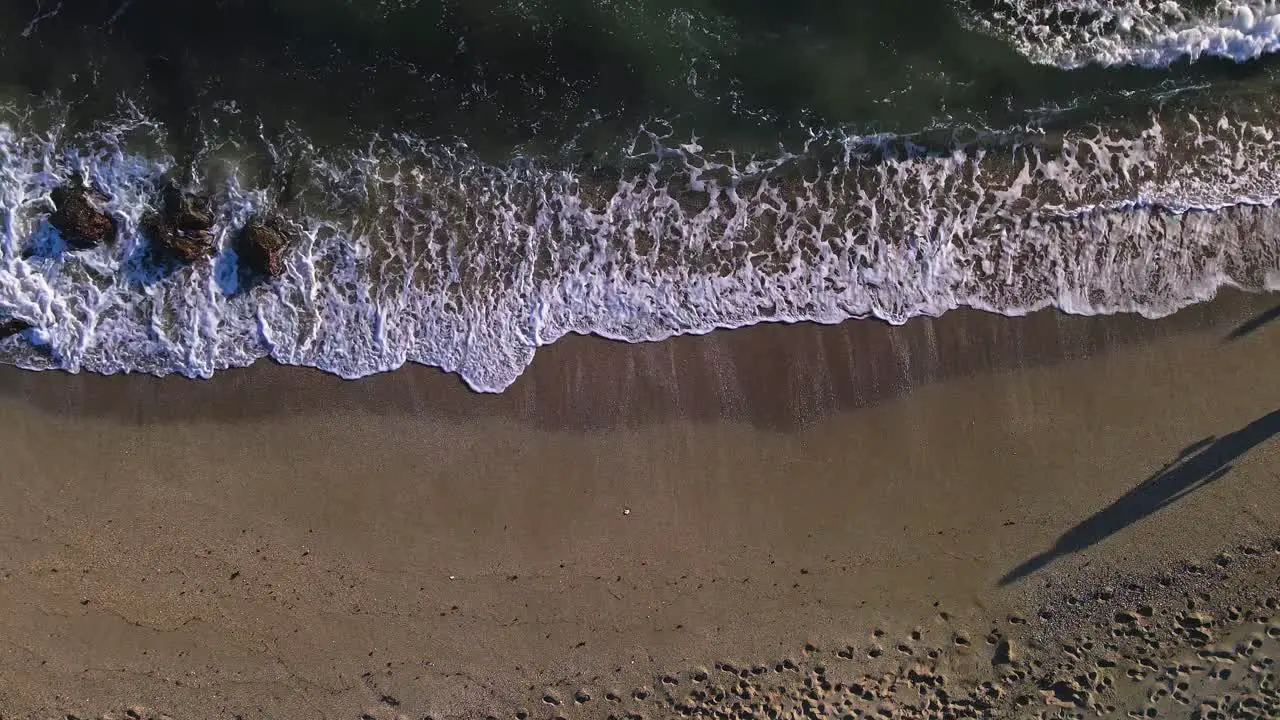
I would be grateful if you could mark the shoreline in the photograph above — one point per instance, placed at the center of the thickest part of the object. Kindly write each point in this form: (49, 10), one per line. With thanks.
(552, 254)
(588, 383)
(286, 544)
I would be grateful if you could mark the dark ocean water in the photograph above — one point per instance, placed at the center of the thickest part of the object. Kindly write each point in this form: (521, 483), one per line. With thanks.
(470, 180)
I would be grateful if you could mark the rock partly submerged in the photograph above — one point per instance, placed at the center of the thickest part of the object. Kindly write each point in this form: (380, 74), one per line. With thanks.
(182, 229)
(261, 246)
(78, 218)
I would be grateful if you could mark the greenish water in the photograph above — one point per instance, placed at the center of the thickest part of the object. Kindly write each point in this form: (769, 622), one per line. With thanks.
(548, 75)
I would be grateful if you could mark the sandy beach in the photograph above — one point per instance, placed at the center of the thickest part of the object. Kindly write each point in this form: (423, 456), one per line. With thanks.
(971, 516)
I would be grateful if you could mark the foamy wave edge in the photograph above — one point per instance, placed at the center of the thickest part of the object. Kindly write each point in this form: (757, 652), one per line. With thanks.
(419, 253)
(1147, 33)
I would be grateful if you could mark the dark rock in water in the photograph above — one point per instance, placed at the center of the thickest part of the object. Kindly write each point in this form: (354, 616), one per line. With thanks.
(11, 327)
(189, 212)
(262, 245)
(185, 246)
(182, 229)
(76, 217)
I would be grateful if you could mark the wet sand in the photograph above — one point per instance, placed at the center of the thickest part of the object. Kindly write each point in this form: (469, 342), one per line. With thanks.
(279, 543)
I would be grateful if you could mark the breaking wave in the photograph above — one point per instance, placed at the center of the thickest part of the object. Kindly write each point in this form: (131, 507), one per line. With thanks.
(1148, 33)
(416, 251)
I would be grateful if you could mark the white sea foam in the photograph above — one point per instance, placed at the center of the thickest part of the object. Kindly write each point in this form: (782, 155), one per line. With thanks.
(416, 252)
(1149, 33)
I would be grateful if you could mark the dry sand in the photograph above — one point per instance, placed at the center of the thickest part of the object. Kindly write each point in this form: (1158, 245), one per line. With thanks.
(944, 519)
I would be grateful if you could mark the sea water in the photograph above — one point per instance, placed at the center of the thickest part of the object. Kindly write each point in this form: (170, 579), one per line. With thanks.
(462, 206)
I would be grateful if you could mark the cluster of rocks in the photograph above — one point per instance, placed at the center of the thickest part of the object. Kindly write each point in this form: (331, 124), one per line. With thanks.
(1195, 642)
(181, 230)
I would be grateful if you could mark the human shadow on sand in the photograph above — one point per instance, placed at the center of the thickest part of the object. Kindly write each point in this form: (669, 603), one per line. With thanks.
(1252, 324)
(1195, 467)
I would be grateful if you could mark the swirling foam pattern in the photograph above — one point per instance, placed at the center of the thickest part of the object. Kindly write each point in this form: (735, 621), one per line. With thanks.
(1149, 33)
(417, 252)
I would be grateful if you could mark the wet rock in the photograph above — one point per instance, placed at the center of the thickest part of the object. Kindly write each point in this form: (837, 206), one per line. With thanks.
(12, 326)
(182, 229)
(78, 219)
(262, 245)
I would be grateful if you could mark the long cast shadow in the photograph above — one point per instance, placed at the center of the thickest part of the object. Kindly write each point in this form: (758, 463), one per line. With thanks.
(1195, 467)
(1249, 326)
